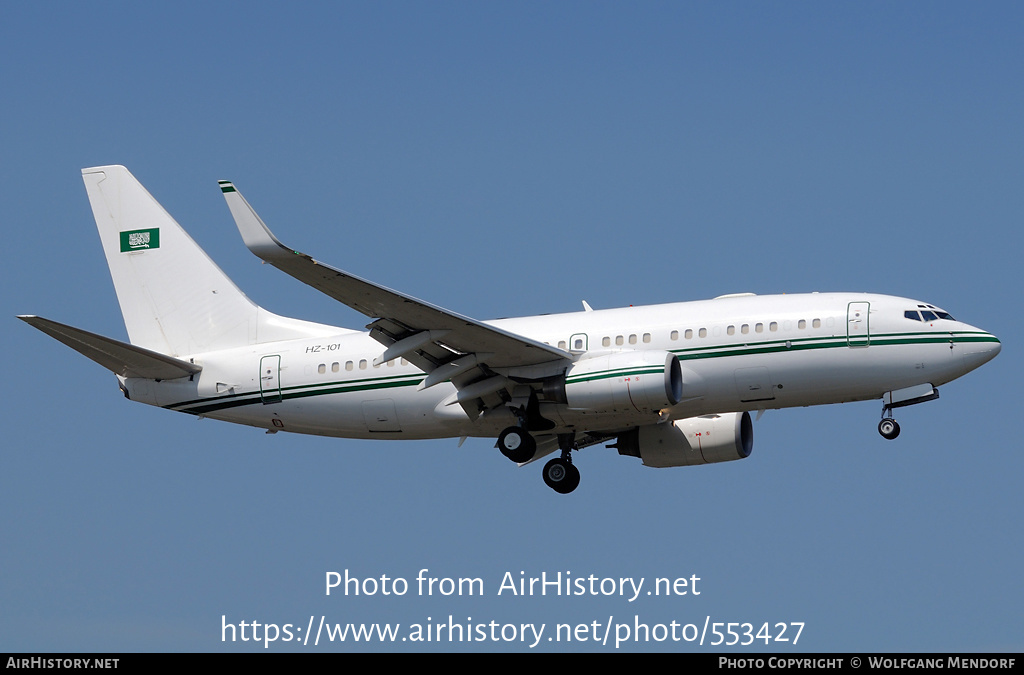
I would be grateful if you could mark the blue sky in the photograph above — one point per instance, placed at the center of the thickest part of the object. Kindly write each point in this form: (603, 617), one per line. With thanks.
(504, 160)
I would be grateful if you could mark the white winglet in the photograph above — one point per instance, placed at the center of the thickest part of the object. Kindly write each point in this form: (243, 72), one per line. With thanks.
(257, 236)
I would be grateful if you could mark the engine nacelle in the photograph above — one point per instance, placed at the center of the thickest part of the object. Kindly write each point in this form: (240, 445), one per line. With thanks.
(632, 381)
(697, 440)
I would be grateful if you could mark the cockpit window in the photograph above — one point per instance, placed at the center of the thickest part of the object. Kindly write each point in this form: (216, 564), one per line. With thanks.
(930, 314)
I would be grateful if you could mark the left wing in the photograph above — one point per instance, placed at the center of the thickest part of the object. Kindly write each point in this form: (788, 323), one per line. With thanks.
(444, 344)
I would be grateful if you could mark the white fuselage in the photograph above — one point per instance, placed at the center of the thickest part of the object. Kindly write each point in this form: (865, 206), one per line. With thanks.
(737, 353)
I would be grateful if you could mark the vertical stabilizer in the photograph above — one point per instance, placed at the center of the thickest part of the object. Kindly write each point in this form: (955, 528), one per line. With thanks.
(174, 298)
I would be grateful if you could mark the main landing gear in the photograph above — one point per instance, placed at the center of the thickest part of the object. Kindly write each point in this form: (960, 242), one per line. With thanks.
(517, 444)
(559, 474)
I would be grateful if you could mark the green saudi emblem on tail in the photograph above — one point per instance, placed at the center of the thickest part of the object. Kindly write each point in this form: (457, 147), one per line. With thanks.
(140, 240)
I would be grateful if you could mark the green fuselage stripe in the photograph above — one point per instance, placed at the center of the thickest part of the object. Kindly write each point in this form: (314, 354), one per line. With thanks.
(205, 405)
(798, 344)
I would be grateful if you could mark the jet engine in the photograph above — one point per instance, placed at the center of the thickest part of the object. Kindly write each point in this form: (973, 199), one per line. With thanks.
(697, 440)
(634, 381)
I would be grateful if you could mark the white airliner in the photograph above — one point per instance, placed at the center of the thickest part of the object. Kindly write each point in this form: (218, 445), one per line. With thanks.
(670, 384)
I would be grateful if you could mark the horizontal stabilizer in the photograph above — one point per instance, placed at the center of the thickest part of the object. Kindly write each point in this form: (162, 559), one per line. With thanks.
(118, 357)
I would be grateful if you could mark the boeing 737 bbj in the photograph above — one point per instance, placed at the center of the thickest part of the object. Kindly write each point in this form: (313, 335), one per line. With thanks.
(671, 384)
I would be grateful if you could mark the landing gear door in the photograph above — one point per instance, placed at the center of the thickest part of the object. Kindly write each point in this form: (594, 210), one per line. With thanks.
(270, 379)
(858, 332)
(380, 415)
(754, 384)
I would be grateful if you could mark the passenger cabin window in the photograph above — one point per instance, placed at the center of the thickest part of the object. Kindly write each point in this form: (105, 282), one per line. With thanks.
(816, 323)
(703, 332)
(647, 337)
(606, 342)
(688, 334)
(618, 340)
(674, 335)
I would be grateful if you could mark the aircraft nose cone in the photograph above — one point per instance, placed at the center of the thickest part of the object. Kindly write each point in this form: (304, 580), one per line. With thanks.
(982, 350)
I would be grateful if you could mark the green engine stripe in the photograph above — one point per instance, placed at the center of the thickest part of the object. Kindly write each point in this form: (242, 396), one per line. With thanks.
(620, 372)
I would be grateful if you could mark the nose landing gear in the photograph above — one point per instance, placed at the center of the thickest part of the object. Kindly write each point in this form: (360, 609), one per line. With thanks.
(898, 399)
(889, 428)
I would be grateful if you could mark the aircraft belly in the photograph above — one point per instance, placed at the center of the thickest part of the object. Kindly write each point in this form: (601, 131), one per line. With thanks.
(346, 415)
